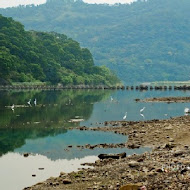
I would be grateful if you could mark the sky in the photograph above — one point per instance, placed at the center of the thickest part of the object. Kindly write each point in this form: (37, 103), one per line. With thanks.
(13, 3)
(108, 1)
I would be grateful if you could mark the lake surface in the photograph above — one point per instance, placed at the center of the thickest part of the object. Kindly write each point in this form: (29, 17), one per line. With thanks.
(42, 130)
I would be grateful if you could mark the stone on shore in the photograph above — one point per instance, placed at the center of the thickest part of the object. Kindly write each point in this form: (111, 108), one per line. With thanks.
(67, 181)
(113, 156)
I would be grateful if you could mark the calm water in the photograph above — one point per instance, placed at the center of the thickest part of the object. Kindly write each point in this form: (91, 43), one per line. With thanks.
(42, 130)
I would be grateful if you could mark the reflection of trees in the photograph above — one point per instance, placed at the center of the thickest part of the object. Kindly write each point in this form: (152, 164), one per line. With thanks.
(51, 115)
(14, 138)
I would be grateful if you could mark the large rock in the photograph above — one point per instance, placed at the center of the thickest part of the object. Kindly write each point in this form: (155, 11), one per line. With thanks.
(67, 181)
(113, 156)
(178, 153)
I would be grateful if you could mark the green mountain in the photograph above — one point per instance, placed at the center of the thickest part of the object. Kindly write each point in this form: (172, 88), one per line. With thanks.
(47, 57)
(143, 41)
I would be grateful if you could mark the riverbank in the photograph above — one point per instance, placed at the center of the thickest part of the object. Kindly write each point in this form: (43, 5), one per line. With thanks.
(104, 87)
(168, 99)
(167, 166)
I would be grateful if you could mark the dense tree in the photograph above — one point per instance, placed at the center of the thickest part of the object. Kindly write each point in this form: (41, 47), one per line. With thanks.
(48, 57)
(143, 41)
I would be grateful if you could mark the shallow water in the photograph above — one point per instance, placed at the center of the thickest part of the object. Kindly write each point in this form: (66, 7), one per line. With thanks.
(42, 130)
(16, 171)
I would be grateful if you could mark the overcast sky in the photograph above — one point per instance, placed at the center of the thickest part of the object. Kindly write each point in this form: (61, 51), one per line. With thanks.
(12, 3)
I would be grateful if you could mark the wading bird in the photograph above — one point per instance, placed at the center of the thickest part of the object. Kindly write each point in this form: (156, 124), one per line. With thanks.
(141, 110)
(187, 110)
(142, 115)
(125, 116)
(12, 107)
(35, 102)
(29, 102)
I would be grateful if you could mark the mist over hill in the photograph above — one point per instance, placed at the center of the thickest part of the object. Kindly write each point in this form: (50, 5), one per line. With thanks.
(142, 41)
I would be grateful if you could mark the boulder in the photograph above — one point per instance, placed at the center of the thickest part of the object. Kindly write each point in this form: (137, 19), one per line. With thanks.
(178, 153)
(113, 156)
(26, 154)
(66, 181)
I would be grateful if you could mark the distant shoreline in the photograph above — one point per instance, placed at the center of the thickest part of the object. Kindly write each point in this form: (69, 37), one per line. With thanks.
(167, 99)
(115, 87)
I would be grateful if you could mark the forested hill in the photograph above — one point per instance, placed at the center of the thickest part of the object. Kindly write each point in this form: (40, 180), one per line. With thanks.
(144, 41)
(48, 57)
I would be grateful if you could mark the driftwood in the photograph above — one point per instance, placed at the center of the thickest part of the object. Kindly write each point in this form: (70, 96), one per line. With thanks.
(113, 156)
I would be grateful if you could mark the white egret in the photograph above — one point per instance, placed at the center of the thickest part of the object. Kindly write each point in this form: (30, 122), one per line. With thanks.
(125, 116)
(12, 107)
(141, 110)
(29, 102)
(35, 102)
(187, 110)
(111, 99)
(142, 115)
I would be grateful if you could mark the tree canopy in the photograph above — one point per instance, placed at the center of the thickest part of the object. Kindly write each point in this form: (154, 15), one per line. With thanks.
(143, 41)
(29, 56)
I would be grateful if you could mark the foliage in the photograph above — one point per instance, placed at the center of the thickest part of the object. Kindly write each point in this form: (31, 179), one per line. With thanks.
(46, 57)
(143, 41)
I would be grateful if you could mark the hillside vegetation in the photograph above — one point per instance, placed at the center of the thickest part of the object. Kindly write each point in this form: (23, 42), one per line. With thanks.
(144, 41)
(47, 57)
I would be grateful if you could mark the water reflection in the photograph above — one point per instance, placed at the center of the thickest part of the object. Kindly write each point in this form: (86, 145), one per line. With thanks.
(16, 171)
(11, 138)
(124, 101)
(56, 147)
(49, 117)
(54, 109)
(43, 129)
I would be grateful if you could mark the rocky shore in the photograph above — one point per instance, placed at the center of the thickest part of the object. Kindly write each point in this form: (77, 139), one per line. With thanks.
(167, 99)
(167, 166)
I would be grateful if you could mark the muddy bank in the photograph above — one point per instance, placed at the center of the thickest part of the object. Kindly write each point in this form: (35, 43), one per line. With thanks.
(150, 133)
(166, 167)
(166, 99)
